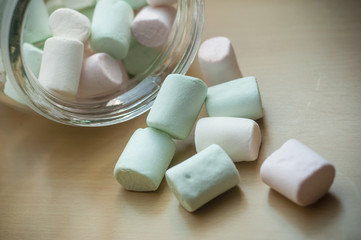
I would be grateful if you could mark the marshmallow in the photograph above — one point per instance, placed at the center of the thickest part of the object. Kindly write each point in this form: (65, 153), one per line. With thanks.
(202, 177)
(218, 61)
(32, 56)
(139, 58)
(52, 5)
(155, 3)
(135, 4)
(240, 138)
(101, 75)
(61, 65)
(36, 27)
(79, 4)
(152, 25)
(68, 23)
(237, 98)
(11, 92)
(145, 159)
(111, 28)
(88, 12)
(177, 105)
(298, 173)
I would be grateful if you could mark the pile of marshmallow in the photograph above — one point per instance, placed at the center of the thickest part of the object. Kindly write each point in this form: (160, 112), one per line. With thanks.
(92, 55)
(230, 134)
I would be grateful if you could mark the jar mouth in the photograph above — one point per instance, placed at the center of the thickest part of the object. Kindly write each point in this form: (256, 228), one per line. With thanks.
(175, 57)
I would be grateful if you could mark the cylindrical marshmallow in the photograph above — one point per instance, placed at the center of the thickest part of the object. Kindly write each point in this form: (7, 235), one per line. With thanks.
(177, 105)
(202, 177)
(111, 28)
(237, 98)
(240, 138)
(32, 56)
(218, 61)
(11, 92)
(61, 65)
(135, 4)
(145, 159)
(79, 4)
(101, 75)
(140, 58)
(68, 23)
(155, 3)
(152, 25)
(88, 12)
(52, 5)
(36, 26)
(298, 173)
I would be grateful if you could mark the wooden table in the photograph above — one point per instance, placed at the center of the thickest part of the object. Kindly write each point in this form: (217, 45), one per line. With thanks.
(56, 181)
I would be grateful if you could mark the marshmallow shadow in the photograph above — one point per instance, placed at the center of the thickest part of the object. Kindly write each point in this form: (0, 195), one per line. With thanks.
(308, 220)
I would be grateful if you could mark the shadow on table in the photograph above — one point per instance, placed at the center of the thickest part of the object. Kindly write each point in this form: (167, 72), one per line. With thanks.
(311, 219)
(212, 214)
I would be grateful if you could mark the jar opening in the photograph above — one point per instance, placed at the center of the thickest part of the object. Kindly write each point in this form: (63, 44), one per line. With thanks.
(174, 57)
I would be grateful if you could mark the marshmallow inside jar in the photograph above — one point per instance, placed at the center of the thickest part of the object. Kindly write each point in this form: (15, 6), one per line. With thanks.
(108, 91)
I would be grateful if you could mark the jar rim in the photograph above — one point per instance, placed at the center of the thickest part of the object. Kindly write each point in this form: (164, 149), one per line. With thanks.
(176, 57)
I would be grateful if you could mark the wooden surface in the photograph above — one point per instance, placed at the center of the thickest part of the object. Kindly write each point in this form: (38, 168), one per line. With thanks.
(56, 181)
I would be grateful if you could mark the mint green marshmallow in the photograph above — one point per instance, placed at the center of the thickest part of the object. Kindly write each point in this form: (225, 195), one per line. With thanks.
(139, 58)
(236, 98)
(202, 177)
(177, 105)
(146, 157)
(135, 4)
(32, 56)
(111, 25)
(36, 27)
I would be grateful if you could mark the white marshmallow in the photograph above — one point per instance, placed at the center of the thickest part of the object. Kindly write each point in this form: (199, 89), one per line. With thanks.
(32, 56)
(240, 138)
(155, 3)
(68, 23)
(152, 25)
(202, 177)
(36, 26)
(61, 65)
(142, 164)
(218, 61)
(101, 75)
(298, 173)
(79, 4)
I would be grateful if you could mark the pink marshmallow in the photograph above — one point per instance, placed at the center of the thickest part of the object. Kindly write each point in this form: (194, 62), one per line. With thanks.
(218, 61)
(101, 75)
(298, 173)
(152, 25)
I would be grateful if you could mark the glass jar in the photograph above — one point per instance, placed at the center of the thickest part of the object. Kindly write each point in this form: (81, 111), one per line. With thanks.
(175, 57)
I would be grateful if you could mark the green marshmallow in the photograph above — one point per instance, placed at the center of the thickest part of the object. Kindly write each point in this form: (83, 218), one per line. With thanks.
(88, 12)
(236, 98)
(136, 3)
(111, 25)
(177, 105)
(36, 26)
(202, 177)
(32, 56)
(146, 157)
(12, 93)
(139, 58)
